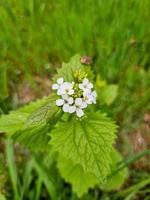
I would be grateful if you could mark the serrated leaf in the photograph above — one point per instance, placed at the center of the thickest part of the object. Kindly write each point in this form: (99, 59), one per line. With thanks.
(12, 122)
(15, 120)
(44, 114)
(35, 138)
(88, 143)
(34, 132)
(33, 106)
(67, 70)
(116, 181)
(74, 174)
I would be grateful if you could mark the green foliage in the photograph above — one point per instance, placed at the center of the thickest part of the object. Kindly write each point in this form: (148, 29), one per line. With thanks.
(109, 93)
(15, 120)
(12, 168)
(68, 69)
(21, 185)
(34, 132)
(80, 180)
(115, 181)
(87, 143)
(12, 122)
(2, 197)
(29, 124)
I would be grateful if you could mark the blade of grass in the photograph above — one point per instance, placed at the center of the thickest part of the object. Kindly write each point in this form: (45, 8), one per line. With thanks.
(38, 189)
(12, 168)
(133, 189)
(46, 180)
(27, 178)
(3, 83)
(130, 160)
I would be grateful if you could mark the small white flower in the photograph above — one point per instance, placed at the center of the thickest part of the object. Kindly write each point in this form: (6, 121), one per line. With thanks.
(66, 107)
(60, 102)
(68, 99)
(94, 95)
(66, 88)
(66, 102)
(57, 85)
(72, 109)
(87, 97)
(79, 105)
(86, 85)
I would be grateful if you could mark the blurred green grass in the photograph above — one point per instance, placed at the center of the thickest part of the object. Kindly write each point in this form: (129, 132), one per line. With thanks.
(114, 33)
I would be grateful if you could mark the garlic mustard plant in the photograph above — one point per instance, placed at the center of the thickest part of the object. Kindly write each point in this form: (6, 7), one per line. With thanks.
(83, 147)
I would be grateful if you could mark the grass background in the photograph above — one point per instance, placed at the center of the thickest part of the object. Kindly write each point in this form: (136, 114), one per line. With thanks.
(36, 36)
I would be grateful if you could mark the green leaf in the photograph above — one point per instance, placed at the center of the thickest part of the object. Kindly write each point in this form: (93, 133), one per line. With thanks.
(2, 197)
(12, 122)
(44, 114)
(108, 94)
(34, 138)
(88, 143)
(74, 174)
(116, 181)
(33, 106)
(15, 120)
(67, 70)
(34, 132)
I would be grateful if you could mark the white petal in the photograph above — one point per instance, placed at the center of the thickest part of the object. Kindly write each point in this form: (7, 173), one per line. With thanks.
(90, 85)
(94, 93)
(70, 100)
(72, 109)
(63, 86)
(67, 85)
(89, 101)
(55, 86)
(86, 92)
(60, 91)
(70, 92)
(79, 112)
(81, 86)
(84, 105)
(78, 101)
(65, 97)
(60, 102)
(66, 107)
(94, 100)
(85, 81)
(60, 80)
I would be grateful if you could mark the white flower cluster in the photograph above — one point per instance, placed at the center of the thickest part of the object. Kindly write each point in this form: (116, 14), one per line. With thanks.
(74, 97)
